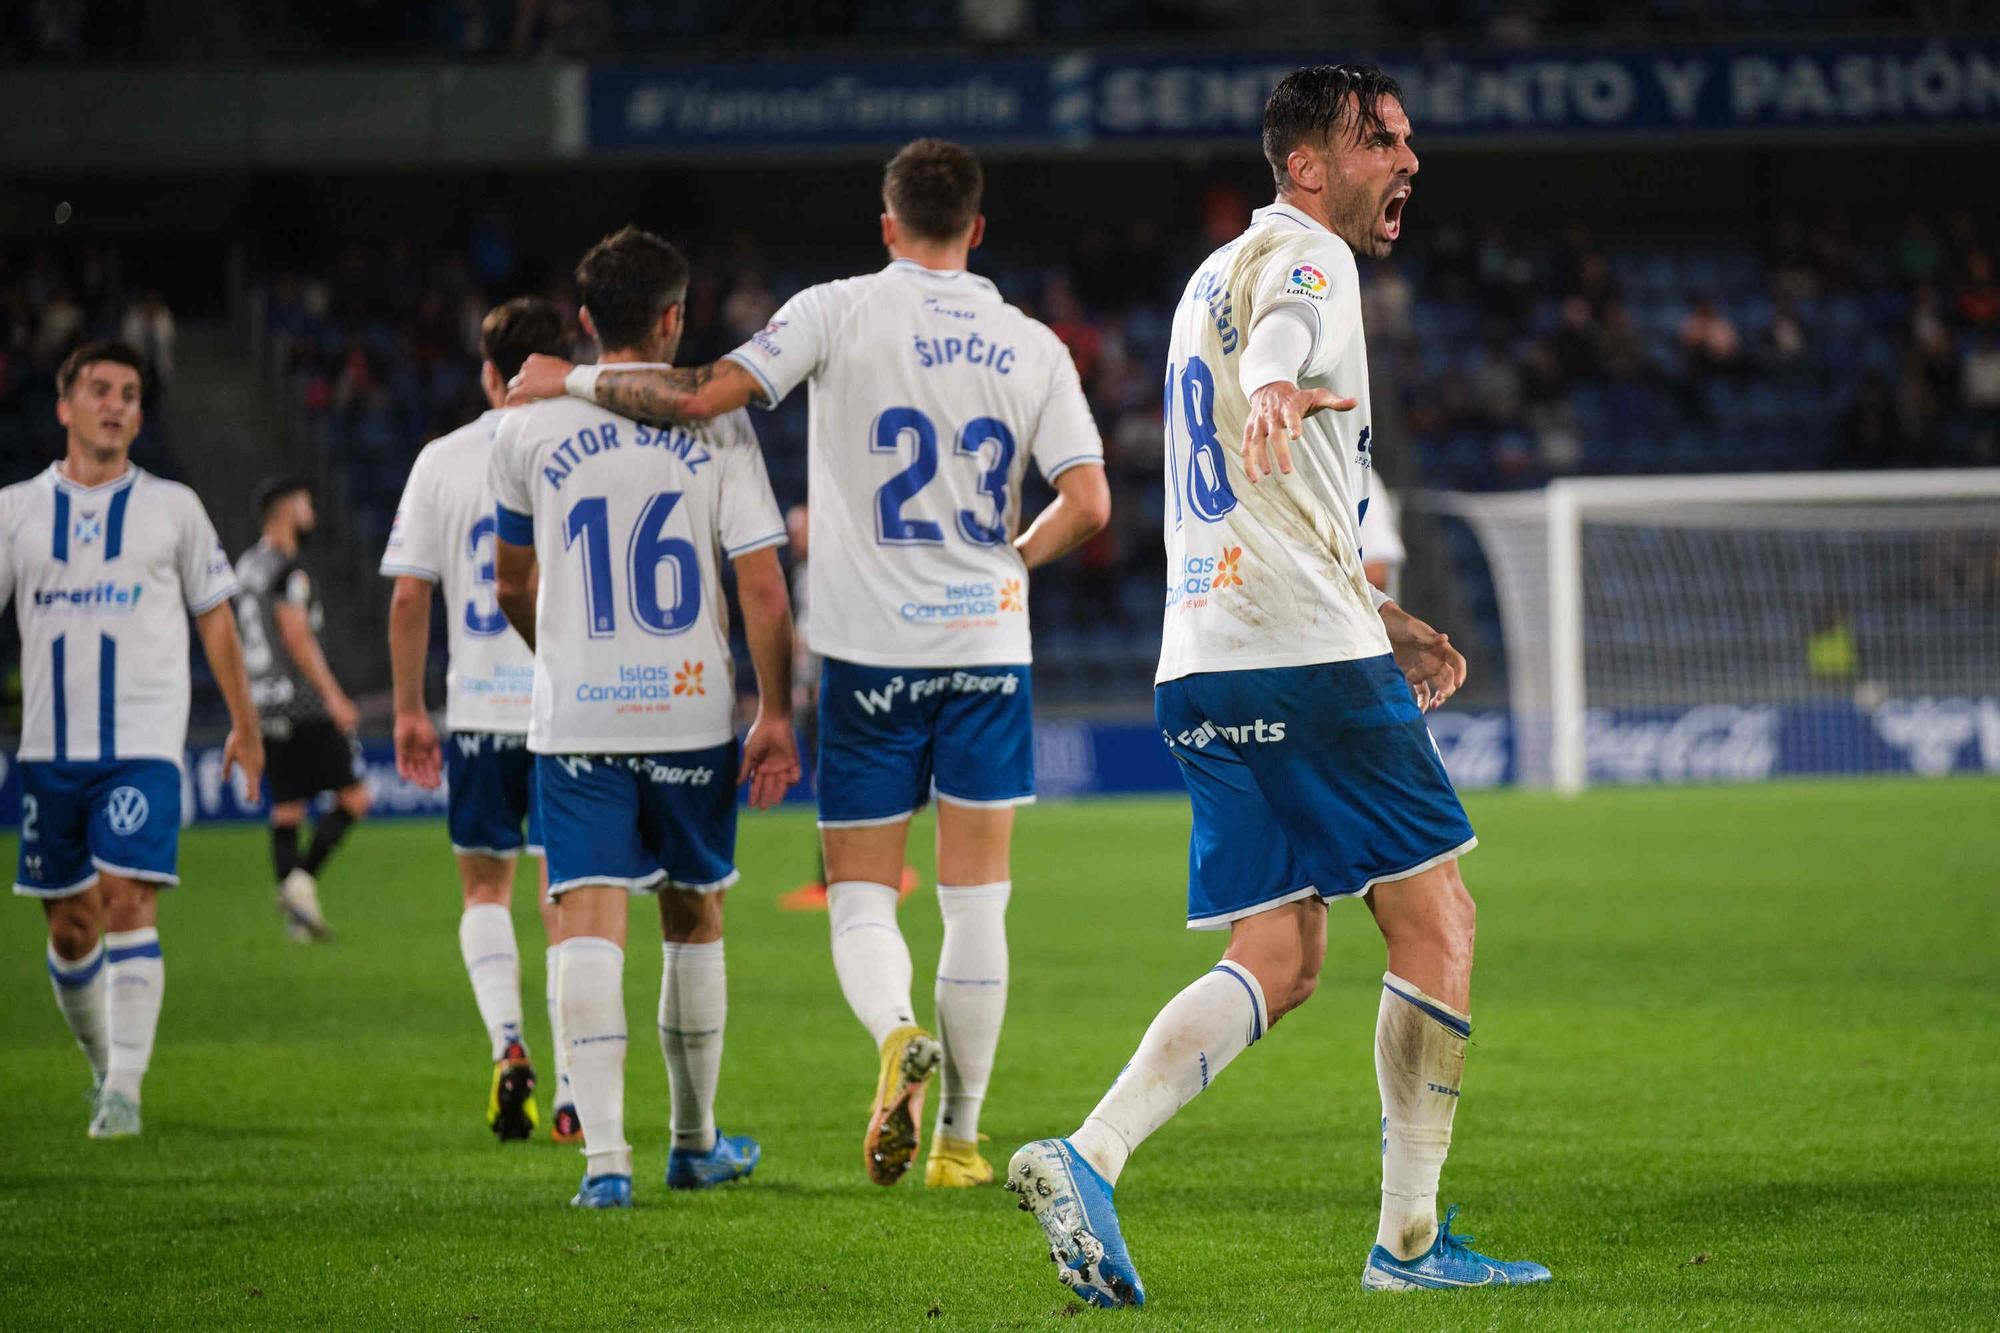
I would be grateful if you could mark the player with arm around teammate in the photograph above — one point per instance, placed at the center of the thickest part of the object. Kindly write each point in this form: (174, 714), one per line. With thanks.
(611, 540)
(444, 537)
(309, 722)
(105, 562)
(1292, 697)
(930, 397)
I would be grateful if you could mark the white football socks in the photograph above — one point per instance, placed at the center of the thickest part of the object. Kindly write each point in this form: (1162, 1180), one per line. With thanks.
(551, 970)
(1419, 1059)
(493, 961)
(135, 981)
(1199, 1032)
(79, 987)
(694, 1006)
(971, 1000)
(869, 955)
(592, 982)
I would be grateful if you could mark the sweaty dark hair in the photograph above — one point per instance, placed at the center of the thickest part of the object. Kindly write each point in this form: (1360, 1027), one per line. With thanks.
(933, 187)
(627, 281)
(515, 331)
(89, 354)
(1320, 102)
(273, 489)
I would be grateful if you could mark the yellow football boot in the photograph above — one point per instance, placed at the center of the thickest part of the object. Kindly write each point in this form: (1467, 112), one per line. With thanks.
(510, 1105)
(909, 1054)
(956, 1164)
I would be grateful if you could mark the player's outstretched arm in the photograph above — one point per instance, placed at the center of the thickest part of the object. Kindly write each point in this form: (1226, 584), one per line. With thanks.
(244, 749)
(418, 758)
(516, 580)
(770, 752)
(1081, 509)
(1280, 345)
(1433, 667)
(668, 395)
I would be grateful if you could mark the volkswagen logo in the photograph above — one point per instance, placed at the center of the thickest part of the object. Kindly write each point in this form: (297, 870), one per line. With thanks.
(127, 811)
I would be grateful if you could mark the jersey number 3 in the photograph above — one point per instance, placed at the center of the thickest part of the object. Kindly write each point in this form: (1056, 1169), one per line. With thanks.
(649, 557)
(892, 526)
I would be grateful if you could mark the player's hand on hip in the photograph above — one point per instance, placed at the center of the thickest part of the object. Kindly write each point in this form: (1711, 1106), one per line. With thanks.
(418, 756)
(770, 761)
(1434, 668)
(541, 377)
(243, 752)
(1277, 415)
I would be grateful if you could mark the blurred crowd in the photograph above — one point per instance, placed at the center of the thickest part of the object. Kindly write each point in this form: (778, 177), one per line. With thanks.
(233, 29)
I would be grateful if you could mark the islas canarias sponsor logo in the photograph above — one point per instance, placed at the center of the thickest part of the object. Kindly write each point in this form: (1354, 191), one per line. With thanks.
(965, 603)
(1202, 576)
(103, 596)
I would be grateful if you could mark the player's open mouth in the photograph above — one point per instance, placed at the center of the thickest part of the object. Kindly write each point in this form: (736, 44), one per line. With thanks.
(1392, 213)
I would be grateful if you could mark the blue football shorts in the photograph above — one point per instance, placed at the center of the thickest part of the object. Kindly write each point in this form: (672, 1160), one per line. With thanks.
(639, 821)
(490, 794)
(122, 816)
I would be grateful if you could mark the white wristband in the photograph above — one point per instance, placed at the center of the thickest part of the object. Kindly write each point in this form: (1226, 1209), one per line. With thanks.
(581, 382)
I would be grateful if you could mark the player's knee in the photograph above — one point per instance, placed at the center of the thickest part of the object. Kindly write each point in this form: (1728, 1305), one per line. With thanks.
(354, 800)
(690, 918)
(73, 928)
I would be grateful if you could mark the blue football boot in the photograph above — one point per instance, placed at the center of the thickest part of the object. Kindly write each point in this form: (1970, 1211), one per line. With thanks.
(1449, 1262)
(606, 1191)
(1073, 1204)
(733, 1157)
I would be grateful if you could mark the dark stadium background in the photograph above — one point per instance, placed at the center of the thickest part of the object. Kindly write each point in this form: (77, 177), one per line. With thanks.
(325, 196)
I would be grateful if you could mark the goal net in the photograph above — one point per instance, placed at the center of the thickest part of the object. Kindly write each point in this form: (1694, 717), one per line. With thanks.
(1739, 627)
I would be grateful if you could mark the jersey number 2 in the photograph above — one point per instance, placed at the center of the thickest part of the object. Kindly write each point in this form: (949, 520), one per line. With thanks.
(648, 555)
(892, 527)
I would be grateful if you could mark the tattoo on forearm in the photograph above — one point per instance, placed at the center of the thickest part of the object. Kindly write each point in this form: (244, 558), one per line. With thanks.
(656, 396)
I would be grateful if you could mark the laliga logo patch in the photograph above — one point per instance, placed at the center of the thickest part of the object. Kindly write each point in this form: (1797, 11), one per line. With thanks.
(1307, 279)
(87, 528)
(127, 810)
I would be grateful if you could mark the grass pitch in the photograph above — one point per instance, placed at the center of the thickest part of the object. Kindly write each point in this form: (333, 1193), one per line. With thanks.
(1735, 1058)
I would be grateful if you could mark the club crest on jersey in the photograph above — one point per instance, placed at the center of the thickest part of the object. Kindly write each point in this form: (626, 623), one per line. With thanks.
(87, 528)
(127, 811)
(1307, 280)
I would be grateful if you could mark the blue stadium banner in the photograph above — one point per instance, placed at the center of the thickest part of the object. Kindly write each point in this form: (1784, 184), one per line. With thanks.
(1078, 99)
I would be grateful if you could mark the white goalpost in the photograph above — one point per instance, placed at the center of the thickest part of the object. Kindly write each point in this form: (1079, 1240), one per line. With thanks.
(1739, 626)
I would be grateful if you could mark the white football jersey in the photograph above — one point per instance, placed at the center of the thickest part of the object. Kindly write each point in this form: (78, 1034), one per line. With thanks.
(929, 396)
(630, 525)
(103, 580)
(1266, 575)
(444, 532)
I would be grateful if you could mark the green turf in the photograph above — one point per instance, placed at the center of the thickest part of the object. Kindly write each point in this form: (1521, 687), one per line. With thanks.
(1736, 1060)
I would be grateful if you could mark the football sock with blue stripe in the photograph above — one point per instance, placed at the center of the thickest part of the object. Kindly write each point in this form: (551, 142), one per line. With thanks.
(1191, 1041)
(869, 955)
(493, 962)
(135, 982)
(79, 984)
(1419, 1061)
(551, 969)
(694, 1007)
(971, 1000)
(592, 978)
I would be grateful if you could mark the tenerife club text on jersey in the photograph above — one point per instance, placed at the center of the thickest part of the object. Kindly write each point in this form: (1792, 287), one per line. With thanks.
(103, 579)
(444, 532)
(929, 396)
(630, 525)
(1266, 575)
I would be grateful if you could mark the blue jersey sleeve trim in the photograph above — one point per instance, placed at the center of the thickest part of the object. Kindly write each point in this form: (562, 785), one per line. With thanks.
(769, 539)
(771, 394)
(514, 529)
(1074, 460)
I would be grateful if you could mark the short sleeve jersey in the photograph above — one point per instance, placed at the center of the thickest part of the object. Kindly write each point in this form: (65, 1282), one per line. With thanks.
(1266, 575)
(930, 397)
(444, 533)
(103, 579)
(630, 525)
